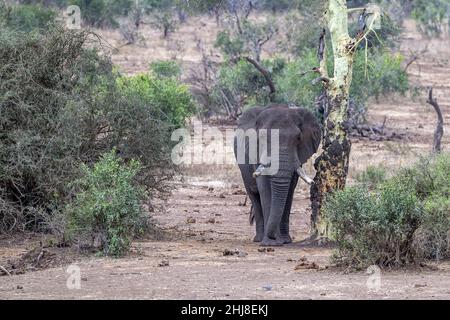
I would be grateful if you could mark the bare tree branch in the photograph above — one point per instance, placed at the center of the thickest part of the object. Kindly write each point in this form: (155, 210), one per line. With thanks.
(266, 74)
(322, 57)
(415, 55)
(439, 132)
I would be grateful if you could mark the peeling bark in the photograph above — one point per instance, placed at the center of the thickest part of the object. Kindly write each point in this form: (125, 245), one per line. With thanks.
(332, 165)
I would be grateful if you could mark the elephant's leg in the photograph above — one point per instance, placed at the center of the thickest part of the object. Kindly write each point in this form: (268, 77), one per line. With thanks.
(265, 195)
(279, 189)
(284, 225)
(253, 194)
(258, 214)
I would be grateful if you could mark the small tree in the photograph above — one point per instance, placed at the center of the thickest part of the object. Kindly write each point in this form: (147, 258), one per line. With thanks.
(165, 21)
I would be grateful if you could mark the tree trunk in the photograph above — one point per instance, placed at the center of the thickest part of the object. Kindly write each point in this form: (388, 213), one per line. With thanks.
(439, 131)
(332, 165)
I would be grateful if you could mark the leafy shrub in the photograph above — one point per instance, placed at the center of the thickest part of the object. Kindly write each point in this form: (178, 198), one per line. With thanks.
(402, 220)
(240, 84)
(107, 204)
(380, 75)
(433, 237)
(373, 228)
(62, 106)
(231, 47)
(372, 176)
(431, 15)
(165, 21)
(166, 69)
(26, 17)
(167, 95)
(294, 82)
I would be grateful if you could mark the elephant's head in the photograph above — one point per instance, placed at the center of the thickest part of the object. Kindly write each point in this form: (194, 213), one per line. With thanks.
(299, 136)
(293, 136)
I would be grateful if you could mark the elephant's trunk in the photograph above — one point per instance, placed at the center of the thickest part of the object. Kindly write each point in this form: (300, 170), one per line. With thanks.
(280, 189)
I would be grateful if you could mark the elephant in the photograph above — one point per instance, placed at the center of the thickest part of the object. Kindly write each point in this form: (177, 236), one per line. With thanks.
(271, 192)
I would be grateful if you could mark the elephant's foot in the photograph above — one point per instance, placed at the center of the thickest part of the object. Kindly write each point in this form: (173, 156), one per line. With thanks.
(258, 238)
(286, 238)
(267, 242)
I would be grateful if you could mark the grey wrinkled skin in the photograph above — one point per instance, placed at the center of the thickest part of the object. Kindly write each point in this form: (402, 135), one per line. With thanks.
(272, 195)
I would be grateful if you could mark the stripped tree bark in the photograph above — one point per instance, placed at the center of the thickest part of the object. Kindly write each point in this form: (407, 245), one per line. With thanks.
(332, 165)
(439, 131)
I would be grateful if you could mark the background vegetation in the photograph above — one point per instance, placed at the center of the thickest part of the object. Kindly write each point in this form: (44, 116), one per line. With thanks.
(82, 145)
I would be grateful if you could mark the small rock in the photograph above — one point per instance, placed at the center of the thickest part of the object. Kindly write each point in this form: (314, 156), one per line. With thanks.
(218, 215)
(420, 285)
(242, 254)
(212, 220)
(267, 287)
(191, 220)
(270, 250)
(323, 294)
(196, 210)
(210, 188)
(84, 279)
(163, 263)
(222, 195)
(19, 287)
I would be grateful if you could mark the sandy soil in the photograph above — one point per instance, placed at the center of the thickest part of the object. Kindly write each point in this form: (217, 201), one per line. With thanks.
(207, 212)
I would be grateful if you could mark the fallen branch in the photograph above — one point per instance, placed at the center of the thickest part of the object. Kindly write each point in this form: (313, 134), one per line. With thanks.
(439, 132)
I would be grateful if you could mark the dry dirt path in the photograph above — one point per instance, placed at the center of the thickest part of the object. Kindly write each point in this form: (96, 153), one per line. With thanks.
(197, 268)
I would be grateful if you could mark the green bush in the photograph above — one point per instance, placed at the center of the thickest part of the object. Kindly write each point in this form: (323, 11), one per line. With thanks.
(107, 204)
(165, 69)
(62, 106)
(379, 75)
(231, 47)
(373, 227)
(372, 176)
(26, 17)
(433, 237)
(167, 95)
(240, 85)
(431, 16)
(404, 219)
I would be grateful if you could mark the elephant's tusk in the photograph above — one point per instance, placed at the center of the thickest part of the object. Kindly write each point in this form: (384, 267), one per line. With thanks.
(301, 173)
(258, 171)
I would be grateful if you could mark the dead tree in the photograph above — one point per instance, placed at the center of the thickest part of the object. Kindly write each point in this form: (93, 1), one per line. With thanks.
(439, 131)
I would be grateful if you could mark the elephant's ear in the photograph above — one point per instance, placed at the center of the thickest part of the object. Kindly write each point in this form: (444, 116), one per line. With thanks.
(310, 136)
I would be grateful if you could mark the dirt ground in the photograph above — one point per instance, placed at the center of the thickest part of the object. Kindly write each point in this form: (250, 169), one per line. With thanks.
(210, 254)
